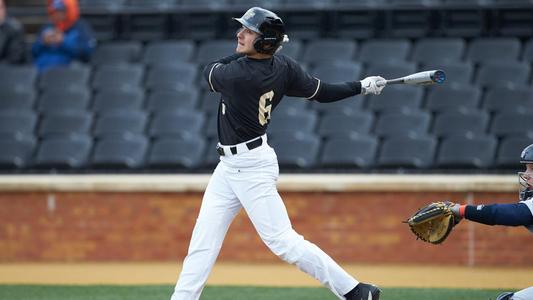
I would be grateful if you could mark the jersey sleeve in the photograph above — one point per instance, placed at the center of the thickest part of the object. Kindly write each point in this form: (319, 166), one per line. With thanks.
(221, 73)
(301, 84)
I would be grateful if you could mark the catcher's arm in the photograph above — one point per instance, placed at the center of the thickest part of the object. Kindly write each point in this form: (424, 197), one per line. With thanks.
(515, 214)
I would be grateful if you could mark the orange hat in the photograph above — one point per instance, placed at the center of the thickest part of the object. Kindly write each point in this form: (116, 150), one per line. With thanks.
(72, 12)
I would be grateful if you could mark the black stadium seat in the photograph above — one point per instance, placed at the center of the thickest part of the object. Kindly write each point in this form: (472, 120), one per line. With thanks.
(64, 99)
(358, 151)
(17, 77)
(173, 76)
(165, 53)
(461, 122)
(17, 99)
(438, 50)
(512, 123)
(126, 152)
(453, 97)
(119, 123)
(64, 152)
(396, 97)
(392, 50)
(113, 77)
(177, 124)
(483, 50)
(62, 78)
(403, 122)
(407, 152)
(503, 74)
(504, 98)
(469, 152)
(117, 52)
(509, 149)
(16, 152)
(324, 50)
(65, 122)
(339, 71)
(170, 100)
(17, 122)
(335, 125)
(296, 151)
(129, 99)
(177, 153)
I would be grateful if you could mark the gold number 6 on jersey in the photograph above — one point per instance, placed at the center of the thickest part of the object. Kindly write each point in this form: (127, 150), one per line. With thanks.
(265, 107)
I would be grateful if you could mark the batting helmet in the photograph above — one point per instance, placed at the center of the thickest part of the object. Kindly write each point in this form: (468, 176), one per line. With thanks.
(268, 25)
(525, 158)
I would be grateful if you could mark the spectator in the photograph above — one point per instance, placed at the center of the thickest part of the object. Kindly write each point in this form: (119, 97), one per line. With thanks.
(65, 39)
(12, 44)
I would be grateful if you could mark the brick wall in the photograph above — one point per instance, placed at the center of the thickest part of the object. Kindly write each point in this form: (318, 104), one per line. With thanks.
(358, 227)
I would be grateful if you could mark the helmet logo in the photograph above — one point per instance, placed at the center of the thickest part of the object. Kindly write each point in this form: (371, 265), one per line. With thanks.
(249, 14)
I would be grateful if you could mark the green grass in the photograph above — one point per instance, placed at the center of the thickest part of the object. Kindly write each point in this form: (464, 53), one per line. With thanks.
(149, 292)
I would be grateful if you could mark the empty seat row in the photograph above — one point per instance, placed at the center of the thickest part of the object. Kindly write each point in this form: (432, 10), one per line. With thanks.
(303, 152)
(424, 50)
(185, 123)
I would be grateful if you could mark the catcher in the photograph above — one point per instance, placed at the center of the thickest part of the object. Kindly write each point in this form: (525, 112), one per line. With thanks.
(435, 221)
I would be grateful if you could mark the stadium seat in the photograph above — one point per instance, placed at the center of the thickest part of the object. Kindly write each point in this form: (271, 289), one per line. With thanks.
(518, 98)
(173, 76)
(117, 52)
(212, 50)
(407, 152)
(508, 151)
(469, 152)
(177, 153)
(65, 78)
(121, 76)
(291, 103)
(211, 128)
(210, 102)
(119, 123)
(177, 124)
(63, 152)
(17, 77)
(130, 99)
(338, 71)
(126, 152)
(453, 97)
(293, 122)
(396, 97)
(64, 99)
(391, 70)
(358, 151)
(456, 72)
(503, 73)
(64, 122)
(461, 122)
(16, 152)
(528, 51)
(298, 151)
(404, 122)
(348, 105)
(324, 50)
(17, 122)
(23, 99)
(334, 125)
(152, 4)
(293, 48)
(484, 50)
(438, 50)
(509, 123)
(170, 100)
(166, 53)
(388, 50)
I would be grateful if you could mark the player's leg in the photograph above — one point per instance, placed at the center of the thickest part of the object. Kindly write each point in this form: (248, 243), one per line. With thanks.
(219, 207)
(256, 189)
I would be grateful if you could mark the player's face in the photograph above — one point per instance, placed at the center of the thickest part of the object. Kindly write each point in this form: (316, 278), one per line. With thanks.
(245, 41)
(527, 175)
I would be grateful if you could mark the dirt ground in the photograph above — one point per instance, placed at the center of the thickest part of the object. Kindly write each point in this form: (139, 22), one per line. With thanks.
(263, 275)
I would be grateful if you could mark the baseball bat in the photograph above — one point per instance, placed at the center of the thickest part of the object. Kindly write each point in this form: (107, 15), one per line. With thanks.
(426, 77)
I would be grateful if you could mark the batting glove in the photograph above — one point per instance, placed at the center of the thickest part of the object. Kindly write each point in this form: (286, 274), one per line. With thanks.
(370, 85)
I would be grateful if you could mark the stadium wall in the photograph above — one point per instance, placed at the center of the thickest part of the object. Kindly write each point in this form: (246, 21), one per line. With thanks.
(354, 218)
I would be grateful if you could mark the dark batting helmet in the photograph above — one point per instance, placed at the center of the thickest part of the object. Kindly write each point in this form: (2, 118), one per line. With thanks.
(268, 25)
(526, 157)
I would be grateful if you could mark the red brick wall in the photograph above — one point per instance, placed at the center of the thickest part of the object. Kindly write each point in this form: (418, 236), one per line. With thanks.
(357, 227)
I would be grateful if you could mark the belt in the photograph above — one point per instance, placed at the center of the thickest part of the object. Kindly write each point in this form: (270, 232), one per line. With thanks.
(239, 148)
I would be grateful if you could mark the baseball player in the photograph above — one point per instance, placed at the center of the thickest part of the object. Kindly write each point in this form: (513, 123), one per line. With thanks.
(516, 214)
(252, 83)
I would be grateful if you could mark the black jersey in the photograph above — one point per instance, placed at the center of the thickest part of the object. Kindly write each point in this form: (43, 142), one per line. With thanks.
(251, 89)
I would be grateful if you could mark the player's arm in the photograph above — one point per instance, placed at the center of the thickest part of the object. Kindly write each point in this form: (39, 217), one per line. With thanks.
(210, 71)
(516, 214)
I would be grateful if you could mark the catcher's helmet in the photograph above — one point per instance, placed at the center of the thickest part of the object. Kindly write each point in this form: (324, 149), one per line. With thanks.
(526, 157)
(268, 25)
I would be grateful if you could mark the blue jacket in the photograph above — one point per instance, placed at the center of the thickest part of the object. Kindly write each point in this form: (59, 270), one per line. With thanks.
(78, 44)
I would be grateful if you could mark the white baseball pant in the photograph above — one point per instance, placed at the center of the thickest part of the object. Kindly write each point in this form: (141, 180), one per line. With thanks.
(248, 180)
(525, 294)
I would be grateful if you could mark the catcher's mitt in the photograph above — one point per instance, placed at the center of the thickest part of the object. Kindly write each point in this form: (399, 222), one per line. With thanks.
(432, 223)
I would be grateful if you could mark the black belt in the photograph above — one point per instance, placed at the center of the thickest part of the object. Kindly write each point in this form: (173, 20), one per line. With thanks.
(250, 145)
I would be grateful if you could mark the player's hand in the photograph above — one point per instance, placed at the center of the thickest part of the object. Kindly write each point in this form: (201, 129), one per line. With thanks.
(369, 85)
